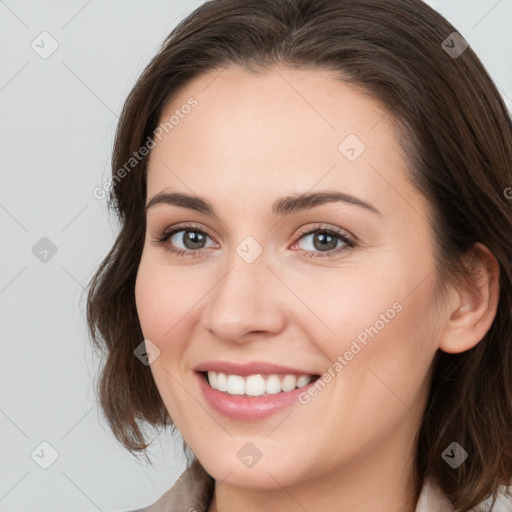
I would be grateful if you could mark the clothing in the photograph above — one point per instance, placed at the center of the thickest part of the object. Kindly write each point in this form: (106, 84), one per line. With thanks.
(193, 490)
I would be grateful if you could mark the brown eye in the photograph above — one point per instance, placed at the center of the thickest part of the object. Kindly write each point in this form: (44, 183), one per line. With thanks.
(191, 239)
(183, 240)
(323, 242)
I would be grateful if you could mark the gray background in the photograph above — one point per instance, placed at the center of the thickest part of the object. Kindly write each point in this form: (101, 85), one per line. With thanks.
(57, 122)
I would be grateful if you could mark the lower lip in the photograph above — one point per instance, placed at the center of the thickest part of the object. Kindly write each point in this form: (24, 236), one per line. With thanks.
(248, 408)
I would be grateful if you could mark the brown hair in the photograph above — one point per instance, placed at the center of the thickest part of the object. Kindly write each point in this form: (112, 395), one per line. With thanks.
(454, 129)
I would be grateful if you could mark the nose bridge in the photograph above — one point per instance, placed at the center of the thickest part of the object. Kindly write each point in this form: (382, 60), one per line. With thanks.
(244, 298)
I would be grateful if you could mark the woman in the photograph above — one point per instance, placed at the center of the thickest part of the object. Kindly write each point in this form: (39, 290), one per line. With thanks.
(312, 281)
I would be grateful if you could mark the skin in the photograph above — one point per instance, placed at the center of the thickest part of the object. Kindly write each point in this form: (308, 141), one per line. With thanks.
(251, 140)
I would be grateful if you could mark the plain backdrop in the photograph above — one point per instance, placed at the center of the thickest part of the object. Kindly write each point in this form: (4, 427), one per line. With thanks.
(57, 122)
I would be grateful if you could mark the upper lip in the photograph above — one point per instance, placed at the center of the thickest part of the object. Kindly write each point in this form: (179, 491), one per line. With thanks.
(251, 368)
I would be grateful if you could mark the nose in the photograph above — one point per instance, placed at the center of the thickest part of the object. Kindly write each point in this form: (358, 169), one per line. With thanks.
(247, 301)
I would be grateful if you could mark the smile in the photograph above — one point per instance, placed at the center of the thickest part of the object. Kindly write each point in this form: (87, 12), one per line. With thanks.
(252, 397)
(257, 385)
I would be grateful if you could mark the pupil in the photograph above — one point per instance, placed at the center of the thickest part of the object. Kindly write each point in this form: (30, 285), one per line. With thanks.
(323, 237)
(194, 238)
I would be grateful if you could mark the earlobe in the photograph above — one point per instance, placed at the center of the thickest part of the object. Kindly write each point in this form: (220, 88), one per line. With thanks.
(475, 305)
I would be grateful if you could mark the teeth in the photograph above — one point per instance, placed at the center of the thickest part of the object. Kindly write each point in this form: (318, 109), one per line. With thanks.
(222, 381)
(256, 385)
(235, 385)
(303, 380)
(273, 385)
(288, 383)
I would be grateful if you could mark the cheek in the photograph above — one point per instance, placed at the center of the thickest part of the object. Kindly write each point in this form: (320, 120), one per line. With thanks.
(146, 293)
(160, 305)
(163, 298)
(372, 321)
(388, 357)
(341, 303)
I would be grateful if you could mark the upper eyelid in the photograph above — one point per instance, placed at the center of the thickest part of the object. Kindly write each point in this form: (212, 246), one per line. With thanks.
(320, 227)
(185, 227)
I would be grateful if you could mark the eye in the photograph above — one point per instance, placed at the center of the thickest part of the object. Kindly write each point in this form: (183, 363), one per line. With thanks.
(191, 238)
(323, 242)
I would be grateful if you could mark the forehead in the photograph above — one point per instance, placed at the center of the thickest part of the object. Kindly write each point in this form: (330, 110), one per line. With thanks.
(277, 132)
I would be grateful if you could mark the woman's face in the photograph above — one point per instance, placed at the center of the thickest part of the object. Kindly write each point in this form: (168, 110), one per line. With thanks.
(274, 280)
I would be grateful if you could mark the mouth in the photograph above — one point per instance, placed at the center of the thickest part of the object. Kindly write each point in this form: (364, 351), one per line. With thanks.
(252, 397)
(256, 385)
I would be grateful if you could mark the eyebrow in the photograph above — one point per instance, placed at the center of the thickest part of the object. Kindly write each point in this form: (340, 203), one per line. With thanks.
(281, 207)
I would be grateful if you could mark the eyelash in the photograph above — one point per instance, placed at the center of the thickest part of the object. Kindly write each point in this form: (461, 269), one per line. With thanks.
(349, 242)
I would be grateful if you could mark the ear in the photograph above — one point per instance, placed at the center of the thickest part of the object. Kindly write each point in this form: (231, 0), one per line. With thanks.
(474, 303)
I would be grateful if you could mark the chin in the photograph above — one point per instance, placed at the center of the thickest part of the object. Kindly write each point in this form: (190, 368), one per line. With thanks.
(271, 473)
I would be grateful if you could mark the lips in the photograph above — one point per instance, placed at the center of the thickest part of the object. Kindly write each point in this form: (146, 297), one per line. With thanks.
(247, 408)
(237, 404)
(251, 368)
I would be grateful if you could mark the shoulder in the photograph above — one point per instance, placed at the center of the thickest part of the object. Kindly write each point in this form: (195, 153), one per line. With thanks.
(432, 498)
(503, 502)
(191, 492)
